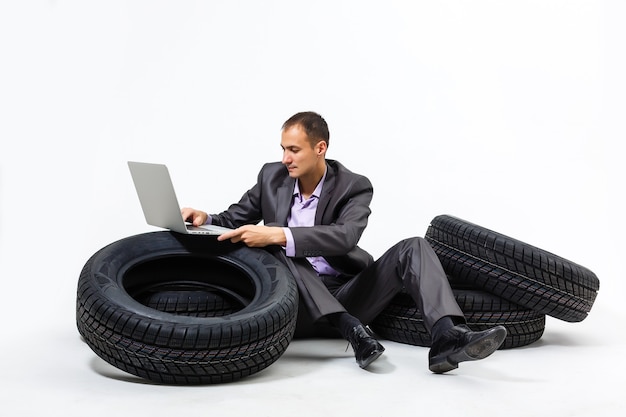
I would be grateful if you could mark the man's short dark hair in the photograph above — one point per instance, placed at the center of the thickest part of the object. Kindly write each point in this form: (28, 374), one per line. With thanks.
(313, 124)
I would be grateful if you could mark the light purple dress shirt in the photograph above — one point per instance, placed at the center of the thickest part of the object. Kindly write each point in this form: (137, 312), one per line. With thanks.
(302, 214)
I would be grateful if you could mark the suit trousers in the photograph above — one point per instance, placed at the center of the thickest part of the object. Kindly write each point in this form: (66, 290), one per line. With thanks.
(410, 264)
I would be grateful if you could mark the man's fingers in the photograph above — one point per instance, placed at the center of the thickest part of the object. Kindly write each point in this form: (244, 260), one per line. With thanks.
(196, 217)
(229, 235)
(187, 214)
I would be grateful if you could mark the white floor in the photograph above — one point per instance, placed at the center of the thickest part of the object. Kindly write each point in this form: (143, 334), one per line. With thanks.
(573, 370)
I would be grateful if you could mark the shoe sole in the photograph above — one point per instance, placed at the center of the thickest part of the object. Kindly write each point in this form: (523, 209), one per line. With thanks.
(478, 349)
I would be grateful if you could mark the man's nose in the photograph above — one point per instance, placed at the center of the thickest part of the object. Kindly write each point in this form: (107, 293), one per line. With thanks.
(286, 158)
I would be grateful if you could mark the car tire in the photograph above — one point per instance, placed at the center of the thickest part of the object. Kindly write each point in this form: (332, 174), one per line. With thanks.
(402, 320)
(114, 315)
(513, 270)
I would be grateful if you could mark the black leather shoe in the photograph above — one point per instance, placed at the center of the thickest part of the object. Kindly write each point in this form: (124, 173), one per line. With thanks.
(459, 343)
(366, 348)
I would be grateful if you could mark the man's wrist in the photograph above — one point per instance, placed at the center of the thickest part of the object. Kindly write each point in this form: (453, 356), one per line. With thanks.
(280, 238)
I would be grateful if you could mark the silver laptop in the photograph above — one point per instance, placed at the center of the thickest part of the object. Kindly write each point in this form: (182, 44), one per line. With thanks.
(158, 200)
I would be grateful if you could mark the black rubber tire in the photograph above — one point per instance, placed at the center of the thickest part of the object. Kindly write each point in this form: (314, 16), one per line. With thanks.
(402, 321)
(181, 349)
(513, 270)
(185, 301)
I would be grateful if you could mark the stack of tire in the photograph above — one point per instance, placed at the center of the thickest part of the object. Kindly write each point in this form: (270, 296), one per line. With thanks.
(497, 280)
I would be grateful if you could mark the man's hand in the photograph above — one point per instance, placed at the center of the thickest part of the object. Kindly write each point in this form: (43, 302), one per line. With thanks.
(256, 236)
(196, 217)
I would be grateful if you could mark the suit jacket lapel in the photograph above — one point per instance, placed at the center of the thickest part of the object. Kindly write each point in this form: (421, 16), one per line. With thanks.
(284, 194)
(327, 192)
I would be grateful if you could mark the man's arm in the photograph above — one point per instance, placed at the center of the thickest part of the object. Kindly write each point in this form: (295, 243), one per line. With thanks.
(246, 211)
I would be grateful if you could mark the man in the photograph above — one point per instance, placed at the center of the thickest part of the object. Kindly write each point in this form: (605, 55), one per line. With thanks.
(314, 211)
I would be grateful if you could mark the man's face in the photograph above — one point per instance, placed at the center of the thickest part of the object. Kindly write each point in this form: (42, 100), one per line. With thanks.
(300, 158)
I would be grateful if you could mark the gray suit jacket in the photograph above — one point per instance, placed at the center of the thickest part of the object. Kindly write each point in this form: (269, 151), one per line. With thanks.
(340, 220)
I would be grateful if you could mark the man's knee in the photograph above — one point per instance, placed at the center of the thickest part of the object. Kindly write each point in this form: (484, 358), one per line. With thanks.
(410, 245)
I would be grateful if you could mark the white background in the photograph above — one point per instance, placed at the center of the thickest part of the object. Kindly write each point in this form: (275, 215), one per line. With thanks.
(508, 114)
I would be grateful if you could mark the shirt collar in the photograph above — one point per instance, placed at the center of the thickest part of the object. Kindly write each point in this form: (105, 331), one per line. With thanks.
(318, 190)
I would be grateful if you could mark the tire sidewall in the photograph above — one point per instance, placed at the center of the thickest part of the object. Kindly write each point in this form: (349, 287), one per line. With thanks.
(107, 270)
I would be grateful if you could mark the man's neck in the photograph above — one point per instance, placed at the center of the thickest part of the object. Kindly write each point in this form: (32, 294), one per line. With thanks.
(308, 184)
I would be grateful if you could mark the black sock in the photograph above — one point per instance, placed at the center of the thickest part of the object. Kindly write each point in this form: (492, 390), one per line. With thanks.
(344, 322)
(444, 324)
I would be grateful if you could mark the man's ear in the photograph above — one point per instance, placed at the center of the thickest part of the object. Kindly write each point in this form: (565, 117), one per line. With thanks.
(321, 147)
